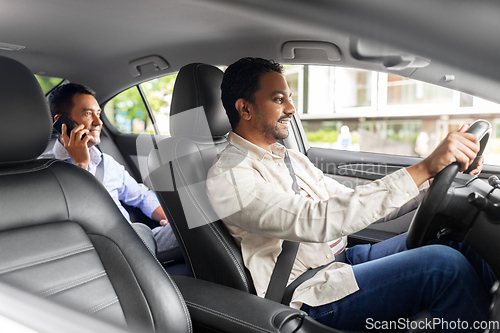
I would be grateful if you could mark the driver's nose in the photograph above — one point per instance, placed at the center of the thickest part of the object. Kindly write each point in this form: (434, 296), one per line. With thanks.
(290, 108)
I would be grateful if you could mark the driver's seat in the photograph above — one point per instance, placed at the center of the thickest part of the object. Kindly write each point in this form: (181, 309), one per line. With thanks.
(178, 170)
(61, 235)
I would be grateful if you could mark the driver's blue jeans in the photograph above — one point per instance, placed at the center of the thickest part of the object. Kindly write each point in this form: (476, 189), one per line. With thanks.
(396, 284)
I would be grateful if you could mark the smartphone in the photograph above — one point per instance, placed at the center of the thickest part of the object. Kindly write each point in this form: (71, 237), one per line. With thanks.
(70, 124)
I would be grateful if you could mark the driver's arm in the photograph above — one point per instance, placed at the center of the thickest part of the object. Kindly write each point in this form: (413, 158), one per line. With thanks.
(412, 204)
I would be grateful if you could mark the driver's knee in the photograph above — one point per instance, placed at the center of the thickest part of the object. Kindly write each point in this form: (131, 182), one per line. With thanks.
(445, 261)
(453, 282)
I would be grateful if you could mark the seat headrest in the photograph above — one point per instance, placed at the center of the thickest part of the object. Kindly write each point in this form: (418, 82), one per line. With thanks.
(199, 85)
(25, 117)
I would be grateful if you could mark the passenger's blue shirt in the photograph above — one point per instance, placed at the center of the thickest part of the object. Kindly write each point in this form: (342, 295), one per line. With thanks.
(120, 185)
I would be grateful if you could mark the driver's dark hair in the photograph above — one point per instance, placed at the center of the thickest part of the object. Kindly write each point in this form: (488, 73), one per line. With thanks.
(61, 98)
(241, 80)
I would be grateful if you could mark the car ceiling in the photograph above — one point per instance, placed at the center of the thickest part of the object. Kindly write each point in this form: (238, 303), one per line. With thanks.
(93, 41)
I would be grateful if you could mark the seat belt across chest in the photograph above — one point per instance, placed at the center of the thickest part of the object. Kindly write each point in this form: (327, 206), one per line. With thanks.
(99, 171)
(284, 262)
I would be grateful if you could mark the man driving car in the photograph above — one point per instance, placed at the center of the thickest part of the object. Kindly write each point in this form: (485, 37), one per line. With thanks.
(79, 148)
(250, 186)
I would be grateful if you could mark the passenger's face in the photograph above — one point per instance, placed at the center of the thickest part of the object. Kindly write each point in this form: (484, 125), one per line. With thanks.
(273, 108)
(87, 111)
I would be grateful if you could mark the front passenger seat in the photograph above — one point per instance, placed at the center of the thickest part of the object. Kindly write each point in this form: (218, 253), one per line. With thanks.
(177, 170)
(61, 235)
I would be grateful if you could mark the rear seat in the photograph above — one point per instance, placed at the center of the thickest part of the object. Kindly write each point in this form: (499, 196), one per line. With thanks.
(109, 147)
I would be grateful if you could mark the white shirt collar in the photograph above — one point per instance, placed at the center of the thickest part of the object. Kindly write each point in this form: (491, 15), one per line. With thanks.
(277, 149)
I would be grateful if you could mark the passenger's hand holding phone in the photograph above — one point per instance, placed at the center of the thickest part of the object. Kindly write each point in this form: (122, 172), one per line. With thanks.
(76, 145)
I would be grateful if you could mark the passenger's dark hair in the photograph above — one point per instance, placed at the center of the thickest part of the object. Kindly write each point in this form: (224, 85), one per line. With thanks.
(61, 98)
(241, 80)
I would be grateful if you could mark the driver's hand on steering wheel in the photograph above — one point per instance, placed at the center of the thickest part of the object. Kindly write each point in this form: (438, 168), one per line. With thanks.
(480, 163)
(478, 168)
(474, 172)
(456, 146)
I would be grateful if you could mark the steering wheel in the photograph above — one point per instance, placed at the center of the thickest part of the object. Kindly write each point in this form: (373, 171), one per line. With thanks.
(420, 231)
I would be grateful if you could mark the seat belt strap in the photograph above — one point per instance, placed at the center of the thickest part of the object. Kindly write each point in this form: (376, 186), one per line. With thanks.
(287, 297)
(285, 260)
(281, 272)
(99, 171)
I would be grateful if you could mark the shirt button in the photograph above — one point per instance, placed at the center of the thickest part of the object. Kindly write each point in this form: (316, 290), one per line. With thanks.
(280, 164)
(328, 256)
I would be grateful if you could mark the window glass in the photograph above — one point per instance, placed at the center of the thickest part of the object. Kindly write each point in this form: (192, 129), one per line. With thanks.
(354, 87)
(359, 110)
(401, 90)
(128, 113)
(158, 93)
(48, 83)
(295, 81)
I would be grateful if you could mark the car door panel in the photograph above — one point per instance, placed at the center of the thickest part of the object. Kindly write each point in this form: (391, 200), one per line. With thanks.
(357, 168)
(353, 169)
(126, 143)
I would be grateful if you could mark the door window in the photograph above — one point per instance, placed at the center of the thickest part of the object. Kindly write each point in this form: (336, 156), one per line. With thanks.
(144, 108)
(358, 110)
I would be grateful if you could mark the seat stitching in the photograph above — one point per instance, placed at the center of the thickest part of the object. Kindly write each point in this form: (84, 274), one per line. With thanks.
(72, 284)
(228, 317)
(221, 240)
(47, 259)
(180, 238)
(103, 305)
(38, 168)
(184, 306)
(181, 299)
(173, 177)
(231, 255)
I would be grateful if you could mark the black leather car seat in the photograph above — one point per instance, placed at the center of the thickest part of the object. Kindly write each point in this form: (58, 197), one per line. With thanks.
(178, 170)
(61, 235)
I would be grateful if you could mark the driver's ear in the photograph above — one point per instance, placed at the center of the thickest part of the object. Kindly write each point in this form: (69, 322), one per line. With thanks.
(243, 108)
(57, 116)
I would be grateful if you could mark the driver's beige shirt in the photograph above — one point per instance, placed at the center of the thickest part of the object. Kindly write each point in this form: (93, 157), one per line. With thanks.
(251, 191)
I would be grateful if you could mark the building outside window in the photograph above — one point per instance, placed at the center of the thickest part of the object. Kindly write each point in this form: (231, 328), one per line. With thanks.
(385, 113)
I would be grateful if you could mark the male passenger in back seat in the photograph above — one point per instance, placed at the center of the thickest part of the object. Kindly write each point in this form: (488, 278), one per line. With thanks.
(79, 103)
(250, 188)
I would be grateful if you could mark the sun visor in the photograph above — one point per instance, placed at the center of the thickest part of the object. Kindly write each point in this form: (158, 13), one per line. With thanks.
(389, 57)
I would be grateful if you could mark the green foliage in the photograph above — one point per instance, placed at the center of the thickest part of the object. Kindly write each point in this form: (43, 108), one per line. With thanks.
(129, 104)
(47, 82)
(159, 92)
(408, 138)
(323, 135)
